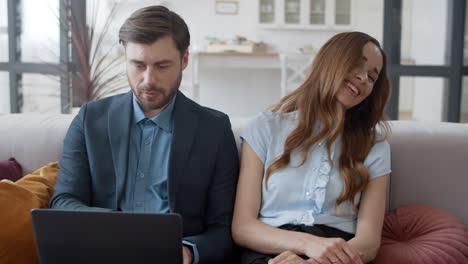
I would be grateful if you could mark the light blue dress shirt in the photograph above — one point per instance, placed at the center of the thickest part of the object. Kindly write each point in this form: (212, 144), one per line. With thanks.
(148, 164)
(148, 161)
(306, 194)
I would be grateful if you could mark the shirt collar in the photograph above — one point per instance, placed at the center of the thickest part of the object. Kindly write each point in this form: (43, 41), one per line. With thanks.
(163, 119)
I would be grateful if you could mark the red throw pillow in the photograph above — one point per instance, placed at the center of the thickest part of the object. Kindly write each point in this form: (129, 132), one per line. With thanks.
(422, 234)
(10, 170)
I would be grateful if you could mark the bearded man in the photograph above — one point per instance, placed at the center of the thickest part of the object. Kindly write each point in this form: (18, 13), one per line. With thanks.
(152, 149)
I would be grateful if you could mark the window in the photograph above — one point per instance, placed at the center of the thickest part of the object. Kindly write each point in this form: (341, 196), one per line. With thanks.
(4, 93)
(41, 93)
(267, 11)
(422, 98)
(292, 11)
(3, 31)
(342, 14)
(317, 12)
(40, 32)
(465, 53)
(29, 55)
(464, 107)
(425, 58)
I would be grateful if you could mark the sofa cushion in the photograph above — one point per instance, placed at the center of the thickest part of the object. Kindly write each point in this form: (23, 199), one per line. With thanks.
(33, 139)
(10, 169)
(429, 165)
(423, 234)
(16, 200)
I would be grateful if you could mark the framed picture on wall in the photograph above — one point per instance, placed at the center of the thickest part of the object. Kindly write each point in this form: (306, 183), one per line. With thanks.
(226, 7)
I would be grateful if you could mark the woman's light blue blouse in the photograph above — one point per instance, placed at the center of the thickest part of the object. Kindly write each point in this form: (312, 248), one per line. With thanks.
(306, 194)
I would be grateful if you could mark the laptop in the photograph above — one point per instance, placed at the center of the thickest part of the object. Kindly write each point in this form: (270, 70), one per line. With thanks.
(107, 237)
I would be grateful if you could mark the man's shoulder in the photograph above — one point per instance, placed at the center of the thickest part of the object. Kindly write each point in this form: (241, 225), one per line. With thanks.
(212, 119)
(107, 101)
(206, 113)
(211, 113)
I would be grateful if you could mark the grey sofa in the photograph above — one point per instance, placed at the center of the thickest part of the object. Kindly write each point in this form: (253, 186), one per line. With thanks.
(429, 159)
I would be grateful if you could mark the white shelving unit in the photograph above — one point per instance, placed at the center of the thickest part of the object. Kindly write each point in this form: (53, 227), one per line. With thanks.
(306, 14)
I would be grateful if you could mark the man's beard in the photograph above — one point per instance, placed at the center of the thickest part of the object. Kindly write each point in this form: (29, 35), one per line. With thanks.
(165, 95)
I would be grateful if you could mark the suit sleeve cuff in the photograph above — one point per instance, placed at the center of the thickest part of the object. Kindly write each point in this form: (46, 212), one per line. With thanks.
(194, 250)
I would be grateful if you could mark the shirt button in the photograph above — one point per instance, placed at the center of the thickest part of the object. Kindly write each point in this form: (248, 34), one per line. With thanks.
(307, 193)
(147, 142)
(141, 175)
(138, 204)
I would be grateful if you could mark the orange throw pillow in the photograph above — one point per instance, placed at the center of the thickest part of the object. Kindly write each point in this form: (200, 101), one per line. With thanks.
(16, 201)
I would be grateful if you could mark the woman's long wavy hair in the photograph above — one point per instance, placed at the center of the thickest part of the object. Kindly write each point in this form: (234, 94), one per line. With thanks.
(316, 101)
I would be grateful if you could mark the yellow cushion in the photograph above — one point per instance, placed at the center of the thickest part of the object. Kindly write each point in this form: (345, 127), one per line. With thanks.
(16, 201)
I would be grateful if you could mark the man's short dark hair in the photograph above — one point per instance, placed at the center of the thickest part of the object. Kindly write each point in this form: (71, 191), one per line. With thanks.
(150, 23)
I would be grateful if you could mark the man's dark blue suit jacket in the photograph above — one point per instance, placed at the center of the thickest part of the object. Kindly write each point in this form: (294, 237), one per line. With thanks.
(203, 168)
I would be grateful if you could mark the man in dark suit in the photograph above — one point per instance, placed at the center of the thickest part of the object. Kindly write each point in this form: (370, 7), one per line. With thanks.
(152, 149)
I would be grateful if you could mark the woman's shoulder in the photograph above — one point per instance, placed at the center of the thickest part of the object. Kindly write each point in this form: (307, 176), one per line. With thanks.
(380, 149)
(378, 160)
(270, 123)
(381, 144)
(275, 118)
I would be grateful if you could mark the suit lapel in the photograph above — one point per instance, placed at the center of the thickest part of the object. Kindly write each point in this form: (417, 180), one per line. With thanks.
(119, 132)
(185, 126)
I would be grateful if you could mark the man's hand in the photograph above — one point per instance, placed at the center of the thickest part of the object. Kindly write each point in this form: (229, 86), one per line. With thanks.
(187, 255)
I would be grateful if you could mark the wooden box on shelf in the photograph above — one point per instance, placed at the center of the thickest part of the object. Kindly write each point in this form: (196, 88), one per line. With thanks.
(243, 48)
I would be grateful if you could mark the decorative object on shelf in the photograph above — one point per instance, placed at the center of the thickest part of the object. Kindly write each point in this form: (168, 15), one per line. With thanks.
(307, 49)
(238, 44)
(226, 7)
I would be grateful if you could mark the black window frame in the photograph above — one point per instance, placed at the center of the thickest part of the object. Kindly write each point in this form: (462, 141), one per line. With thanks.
(454, 71)
(15, 67)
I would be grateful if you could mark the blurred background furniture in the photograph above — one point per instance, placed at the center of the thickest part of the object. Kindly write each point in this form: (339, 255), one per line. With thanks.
(294, 69)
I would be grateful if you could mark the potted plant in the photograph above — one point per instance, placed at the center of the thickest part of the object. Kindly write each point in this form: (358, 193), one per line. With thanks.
(93, 71)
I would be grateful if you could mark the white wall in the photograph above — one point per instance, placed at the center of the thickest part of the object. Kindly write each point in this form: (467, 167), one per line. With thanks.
(369, 17)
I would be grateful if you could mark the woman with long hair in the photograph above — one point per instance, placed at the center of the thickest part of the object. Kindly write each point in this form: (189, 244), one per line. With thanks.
(315, 169)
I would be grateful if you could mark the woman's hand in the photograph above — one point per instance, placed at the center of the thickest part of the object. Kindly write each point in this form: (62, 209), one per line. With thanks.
(288, 257)
(330, 251)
